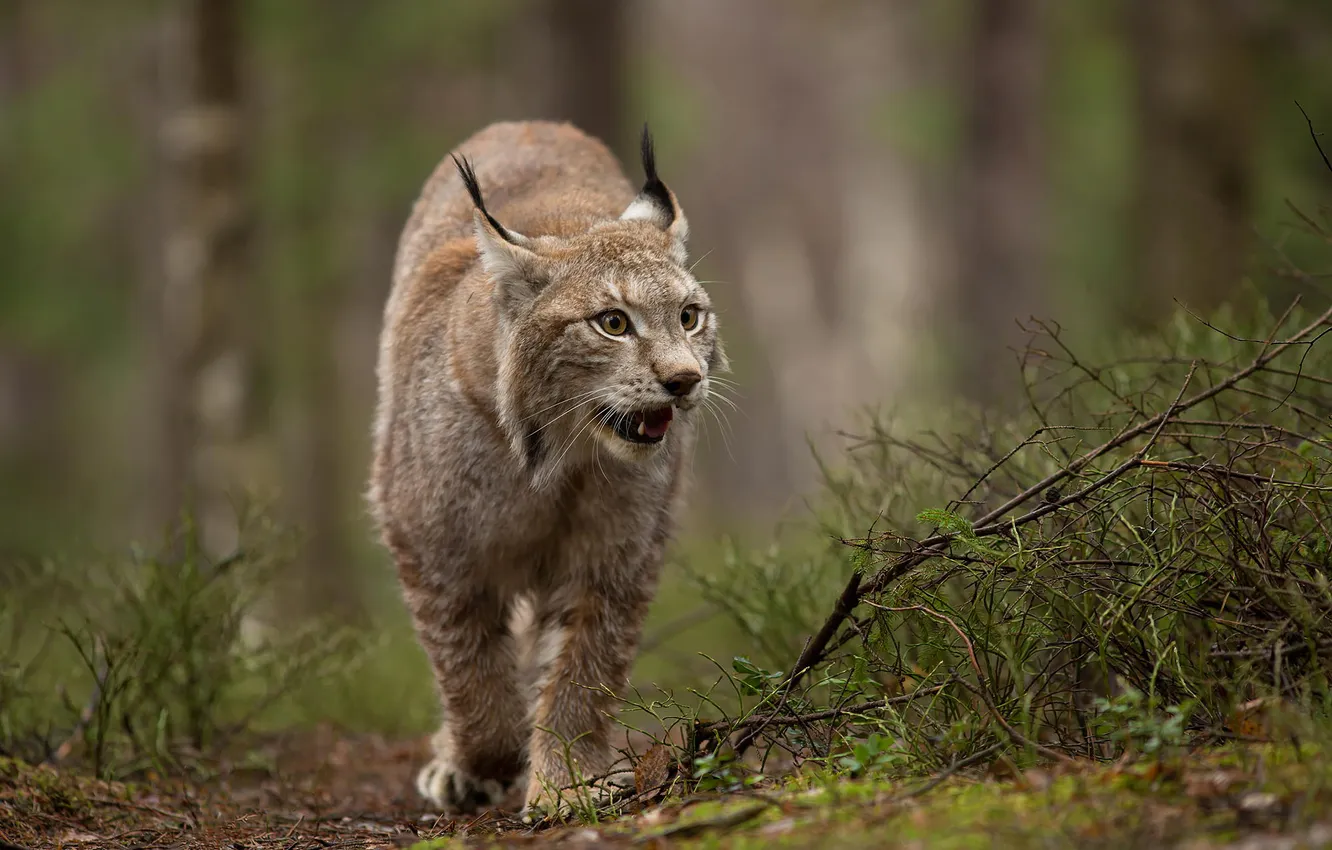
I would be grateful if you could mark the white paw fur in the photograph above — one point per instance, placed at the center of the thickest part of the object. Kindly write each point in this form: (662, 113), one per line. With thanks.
(456, 792)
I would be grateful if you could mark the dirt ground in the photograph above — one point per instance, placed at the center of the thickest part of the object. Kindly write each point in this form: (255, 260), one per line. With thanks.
(317, 790)
(326, 790)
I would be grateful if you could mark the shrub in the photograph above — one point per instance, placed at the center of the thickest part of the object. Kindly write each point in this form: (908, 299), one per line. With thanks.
(155, 660)
(1149, 537)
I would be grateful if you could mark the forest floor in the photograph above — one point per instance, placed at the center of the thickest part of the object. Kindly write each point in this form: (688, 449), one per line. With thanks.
(325, 790)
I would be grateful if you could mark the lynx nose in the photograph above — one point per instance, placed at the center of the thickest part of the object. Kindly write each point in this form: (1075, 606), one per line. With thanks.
(681, 383)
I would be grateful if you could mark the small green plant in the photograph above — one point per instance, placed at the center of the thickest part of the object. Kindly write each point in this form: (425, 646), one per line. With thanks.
(158, 660)
(720, 771)
(587, 799)
(752, 679)
(958, 526)
(1141, 724)
(872, 753)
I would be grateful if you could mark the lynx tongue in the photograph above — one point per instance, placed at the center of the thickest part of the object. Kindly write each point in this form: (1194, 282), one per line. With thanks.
(653, 423)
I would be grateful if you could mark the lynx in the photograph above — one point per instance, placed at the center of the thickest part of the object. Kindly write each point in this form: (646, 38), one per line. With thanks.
(544, 356)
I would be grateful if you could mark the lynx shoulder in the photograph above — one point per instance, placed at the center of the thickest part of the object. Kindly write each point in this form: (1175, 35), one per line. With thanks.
(544, 359)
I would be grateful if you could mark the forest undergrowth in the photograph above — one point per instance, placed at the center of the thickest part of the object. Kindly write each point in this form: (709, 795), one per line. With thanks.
(1127, 584)
(1115, 601)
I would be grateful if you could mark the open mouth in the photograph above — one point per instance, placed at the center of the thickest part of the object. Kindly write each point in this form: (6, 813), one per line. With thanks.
(639, 426)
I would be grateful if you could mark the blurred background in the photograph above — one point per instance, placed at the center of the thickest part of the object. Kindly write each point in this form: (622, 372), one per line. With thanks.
(200, 202)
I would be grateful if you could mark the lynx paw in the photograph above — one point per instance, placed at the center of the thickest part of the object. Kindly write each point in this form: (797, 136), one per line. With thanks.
(456, 792)
(545, 800)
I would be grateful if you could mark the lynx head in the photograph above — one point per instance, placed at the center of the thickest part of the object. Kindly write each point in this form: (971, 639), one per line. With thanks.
(607, 340)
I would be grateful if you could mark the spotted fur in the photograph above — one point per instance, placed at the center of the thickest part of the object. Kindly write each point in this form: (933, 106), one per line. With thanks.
(527, 534)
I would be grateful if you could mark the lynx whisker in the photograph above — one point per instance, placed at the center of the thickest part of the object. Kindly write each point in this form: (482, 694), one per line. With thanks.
(718, 395)
(723, 424)
(576, 398)
(599, 395)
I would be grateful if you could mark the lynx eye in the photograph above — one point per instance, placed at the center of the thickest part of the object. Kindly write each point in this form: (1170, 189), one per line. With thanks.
(690, 317)
(613, 323)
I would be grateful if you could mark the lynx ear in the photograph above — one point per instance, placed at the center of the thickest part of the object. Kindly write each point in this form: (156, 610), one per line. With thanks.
(517, 271)
(656, 204)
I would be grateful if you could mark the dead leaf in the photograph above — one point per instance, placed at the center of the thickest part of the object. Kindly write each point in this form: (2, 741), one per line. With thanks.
(1249, 719)
(1002, 768)
(653, 768)
(79, 837)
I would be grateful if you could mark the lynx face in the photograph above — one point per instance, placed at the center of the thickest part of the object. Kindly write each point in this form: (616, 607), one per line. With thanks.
(624, 340)
(607, 340)
(657, 339)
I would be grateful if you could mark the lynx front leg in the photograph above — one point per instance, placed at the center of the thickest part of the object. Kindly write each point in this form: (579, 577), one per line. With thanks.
(589, 641)
(480, 747)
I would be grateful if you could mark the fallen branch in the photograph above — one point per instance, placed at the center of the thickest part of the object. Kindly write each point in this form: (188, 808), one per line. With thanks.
(952, 769)
(726, 820)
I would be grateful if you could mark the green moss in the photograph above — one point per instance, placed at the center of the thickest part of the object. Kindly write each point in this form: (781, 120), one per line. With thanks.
(1140, 804)
(41, 790)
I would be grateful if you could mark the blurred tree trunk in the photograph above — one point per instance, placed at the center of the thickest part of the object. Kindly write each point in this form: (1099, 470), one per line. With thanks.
(206, 268)
(316, 243)
(33, 462)
(314, 463)
(812, 229)
(576, 67)
(1196, 145)
(1001, 214)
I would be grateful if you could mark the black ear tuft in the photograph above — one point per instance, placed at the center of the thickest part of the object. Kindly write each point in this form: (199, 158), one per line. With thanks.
(654, 188)
(474, 189)
(469, 180)
(649, 156)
